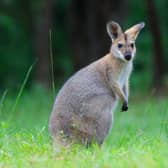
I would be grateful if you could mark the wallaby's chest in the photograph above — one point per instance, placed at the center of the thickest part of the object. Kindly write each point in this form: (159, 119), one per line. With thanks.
(123, 74)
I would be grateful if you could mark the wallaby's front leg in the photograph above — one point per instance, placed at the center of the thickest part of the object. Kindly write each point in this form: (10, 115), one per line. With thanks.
(126, 93)
(121, 95)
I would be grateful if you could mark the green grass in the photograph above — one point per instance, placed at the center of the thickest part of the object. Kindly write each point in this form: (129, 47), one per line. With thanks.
(139, 137)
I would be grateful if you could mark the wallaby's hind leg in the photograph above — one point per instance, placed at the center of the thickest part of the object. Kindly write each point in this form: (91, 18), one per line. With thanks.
(90, 124)
(60, 144)
(79, 129)
(104, 125)
(102, 108)
(95, 119)
(67, 130)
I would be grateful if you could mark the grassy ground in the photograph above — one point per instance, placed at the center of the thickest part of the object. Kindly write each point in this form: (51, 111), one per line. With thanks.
(139, 137)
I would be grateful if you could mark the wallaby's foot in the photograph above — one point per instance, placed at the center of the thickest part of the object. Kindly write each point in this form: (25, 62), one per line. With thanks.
(60, 144)
(124, 107)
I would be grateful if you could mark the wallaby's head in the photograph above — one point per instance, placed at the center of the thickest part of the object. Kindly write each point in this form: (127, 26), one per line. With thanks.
(123, 43)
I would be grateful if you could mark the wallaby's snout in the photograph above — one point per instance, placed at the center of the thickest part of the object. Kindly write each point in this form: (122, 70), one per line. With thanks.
(128, 55)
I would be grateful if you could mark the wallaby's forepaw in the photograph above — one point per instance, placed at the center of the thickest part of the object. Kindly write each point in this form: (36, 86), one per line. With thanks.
(124, 107)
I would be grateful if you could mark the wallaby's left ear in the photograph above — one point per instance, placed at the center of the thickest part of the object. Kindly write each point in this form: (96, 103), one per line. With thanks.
(113, 29)
(134, 30)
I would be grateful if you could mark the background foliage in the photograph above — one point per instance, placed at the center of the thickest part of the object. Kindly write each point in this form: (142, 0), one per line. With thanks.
(76, 28)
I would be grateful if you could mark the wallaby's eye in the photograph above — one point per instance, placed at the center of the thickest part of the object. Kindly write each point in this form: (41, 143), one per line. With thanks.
(120, 45)
(132, 45)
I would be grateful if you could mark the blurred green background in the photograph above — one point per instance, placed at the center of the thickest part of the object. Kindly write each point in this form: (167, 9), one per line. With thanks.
(70, 34)
(74, 32)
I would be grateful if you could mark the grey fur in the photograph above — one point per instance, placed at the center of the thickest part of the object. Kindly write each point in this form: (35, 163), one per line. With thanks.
(83, 108)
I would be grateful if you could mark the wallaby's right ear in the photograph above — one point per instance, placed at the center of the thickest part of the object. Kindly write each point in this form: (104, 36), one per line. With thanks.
(114, 30)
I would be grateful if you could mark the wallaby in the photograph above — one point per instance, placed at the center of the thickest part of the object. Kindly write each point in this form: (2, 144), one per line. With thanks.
(84, 107)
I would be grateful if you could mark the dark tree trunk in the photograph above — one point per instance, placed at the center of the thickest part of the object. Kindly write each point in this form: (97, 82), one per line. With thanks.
(26, 16)
(43, 74)
(157, 44)
(88, 28)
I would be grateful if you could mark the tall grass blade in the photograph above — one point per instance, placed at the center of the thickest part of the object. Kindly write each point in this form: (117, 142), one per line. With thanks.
(2, 99)
(52, 64)
(22, 87)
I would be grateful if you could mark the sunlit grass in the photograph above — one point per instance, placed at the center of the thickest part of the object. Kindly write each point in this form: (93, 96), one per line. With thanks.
(139, 137)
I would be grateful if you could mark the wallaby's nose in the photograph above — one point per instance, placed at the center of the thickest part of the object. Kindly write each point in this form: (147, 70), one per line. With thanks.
(127, 56)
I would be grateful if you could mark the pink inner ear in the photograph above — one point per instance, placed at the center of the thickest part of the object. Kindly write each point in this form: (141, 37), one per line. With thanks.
(114, 27)
(114, 30)
(115, 34)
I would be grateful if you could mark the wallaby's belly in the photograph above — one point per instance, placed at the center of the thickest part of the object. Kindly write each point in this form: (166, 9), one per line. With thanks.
(83, 110)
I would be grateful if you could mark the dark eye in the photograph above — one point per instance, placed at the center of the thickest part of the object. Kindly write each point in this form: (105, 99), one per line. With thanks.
(132, 45)
(120, 45)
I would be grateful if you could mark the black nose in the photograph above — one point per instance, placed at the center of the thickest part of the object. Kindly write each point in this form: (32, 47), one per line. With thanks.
(127, 57)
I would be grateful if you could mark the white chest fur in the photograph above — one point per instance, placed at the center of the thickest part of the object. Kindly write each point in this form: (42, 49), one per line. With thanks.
(124, 74)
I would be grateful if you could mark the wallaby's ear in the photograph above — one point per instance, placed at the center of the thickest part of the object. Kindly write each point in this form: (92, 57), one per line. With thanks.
(134, 30)
(113, 29)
